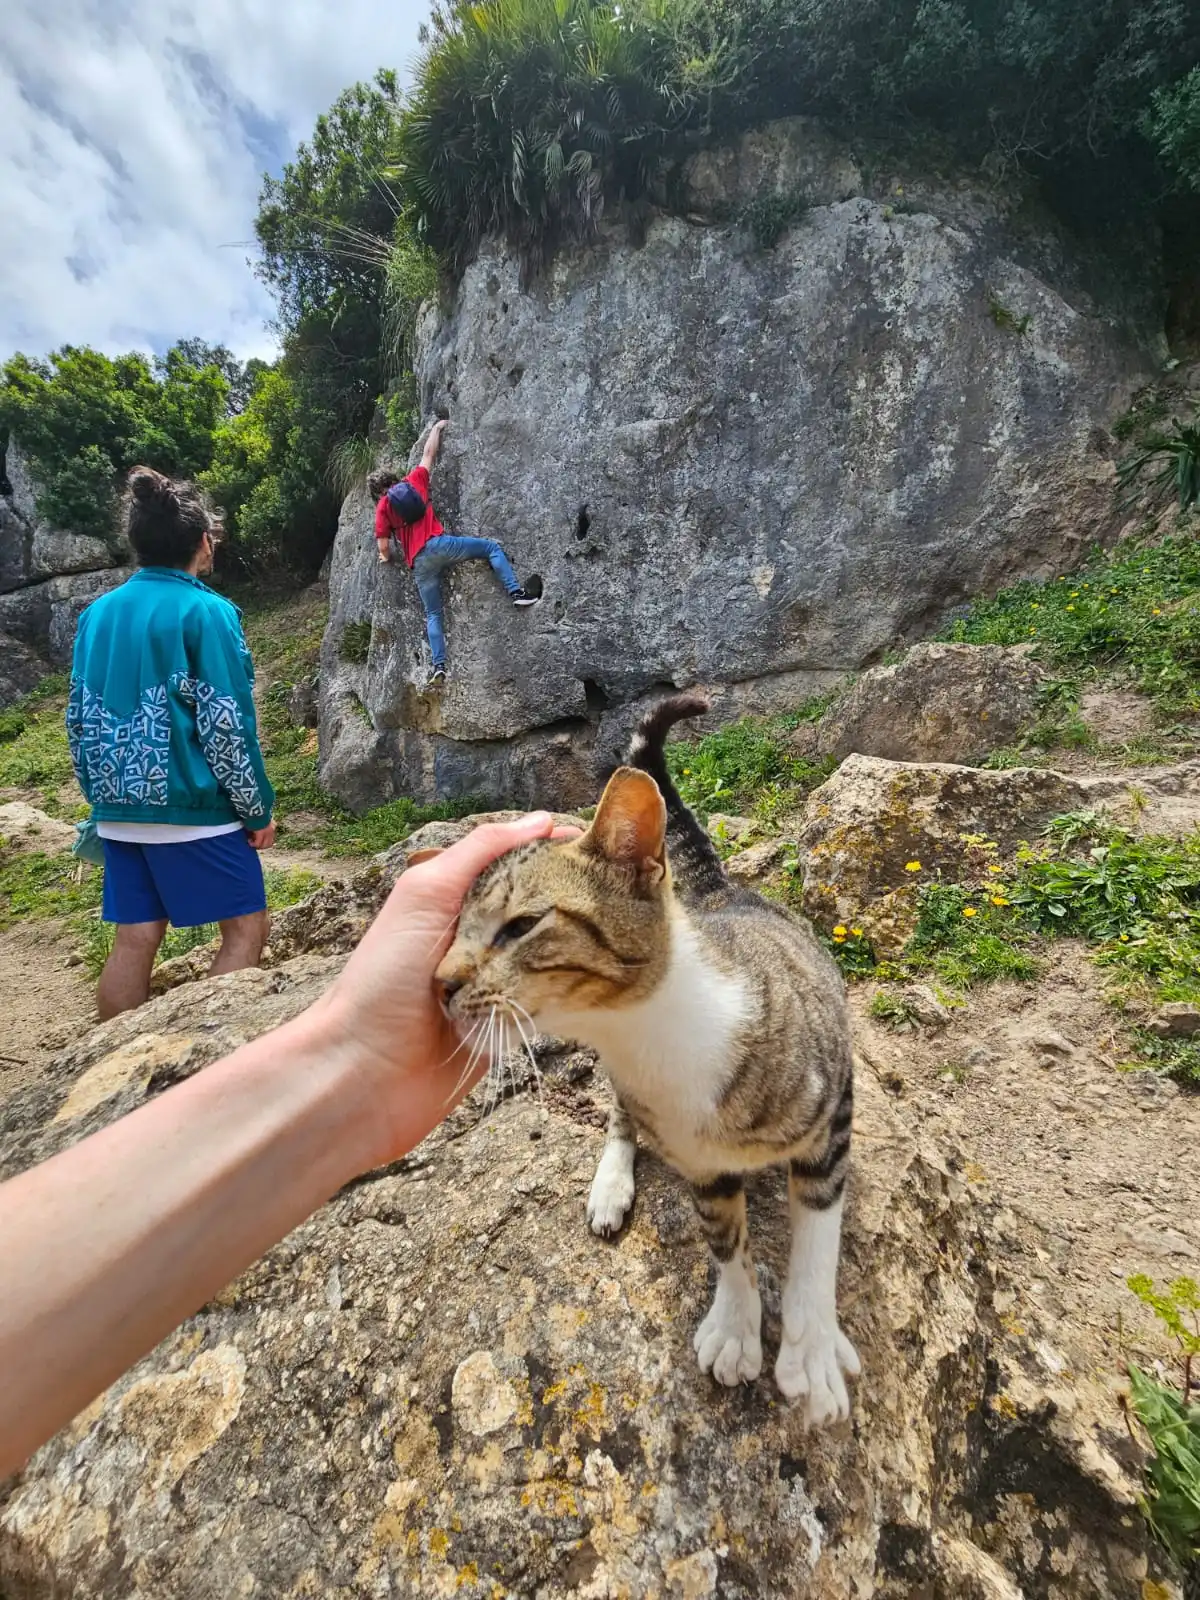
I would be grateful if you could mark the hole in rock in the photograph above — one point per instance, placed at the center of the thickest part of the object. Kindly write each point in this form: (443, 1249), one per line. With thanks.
(582, 522)
(595, 695)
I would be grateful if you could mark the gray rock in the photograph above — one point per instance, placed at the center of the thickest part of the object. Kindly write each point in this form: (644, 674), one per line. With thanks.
(21, 669)
(758, 863)
(23, 497)
(53, 554)
(44, 615)
(1177, 1019)
(16, 543)
(942, 702)
(302, 702)
(792, 159)
(443, 1384)
(727, 465)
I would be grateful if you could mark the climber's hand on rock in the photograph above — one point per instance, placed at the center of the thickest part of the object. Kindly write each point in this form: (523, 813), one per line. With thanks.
(384, 1009)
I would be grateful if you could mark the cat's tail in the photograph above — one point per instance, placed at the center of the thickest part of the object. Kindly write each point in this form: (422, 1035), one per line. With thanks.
(695, 863)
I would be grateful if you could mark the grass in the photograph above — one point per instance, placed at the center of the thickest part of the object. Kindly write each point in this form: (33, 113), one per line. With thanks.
(1137, 609)
(747, 768)
(963, 939)
(33, 743)
(38, 885)
(1170, 1420)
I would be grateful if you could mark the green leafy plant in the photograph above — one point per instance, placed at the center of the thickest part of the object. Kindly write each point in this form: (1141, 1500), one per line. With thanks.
(964, 939)
(1007, 319)
(746, 766)
(355, 643)
(1171, 1421)
(769, 216)
(1172, 463)
(349, 464)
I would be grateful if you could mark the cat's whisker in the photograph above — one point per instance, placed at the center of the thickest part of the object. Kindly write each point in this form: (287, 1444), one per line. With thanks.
(518, 1011)
(473, 1039)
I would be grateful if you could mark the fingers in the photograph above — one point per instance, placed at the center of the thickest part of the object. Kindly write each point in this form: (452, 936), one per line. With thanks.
(451, 873)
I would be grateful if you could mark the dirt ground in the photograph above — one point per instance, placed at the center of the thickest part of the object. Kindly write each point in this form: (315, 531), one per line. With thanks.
(1029, 1081)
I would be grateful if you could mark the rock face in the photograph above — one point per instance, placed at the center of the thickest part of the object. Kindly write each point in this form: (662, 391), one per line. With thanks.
(443, 1384)
(46, 579)
(943, 702)
(740, 467)
(877, 830)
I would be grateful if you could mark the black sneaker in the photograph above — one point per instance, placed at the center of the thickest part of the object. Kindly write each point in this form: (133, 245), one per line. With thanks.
(436, 678)
(530, 595)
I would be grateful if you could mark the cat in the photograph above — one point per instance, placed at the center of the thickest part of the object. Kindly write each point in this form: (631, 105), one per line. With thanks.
(721, 1023)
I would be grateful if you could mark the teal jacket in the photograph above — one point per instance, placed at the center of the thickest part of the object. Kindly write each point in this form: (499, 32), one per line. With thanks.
(161, 712)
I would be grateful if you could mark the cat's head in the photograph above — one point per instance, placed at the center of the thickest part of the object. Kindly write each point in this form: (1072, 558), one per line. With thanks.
(555, 930)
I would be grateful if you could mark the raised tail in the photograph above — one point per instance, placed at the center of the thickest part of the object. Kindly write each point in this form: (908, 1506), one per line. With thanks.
(694, 860)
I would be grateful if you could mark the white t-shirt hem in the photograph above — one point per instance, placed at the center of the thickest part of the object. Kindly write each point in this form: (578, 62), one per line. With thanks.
(161, 832)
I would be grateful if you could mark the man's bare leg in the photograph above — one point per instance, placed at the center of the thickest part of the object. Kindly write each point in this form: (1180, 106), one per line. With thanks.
(242, 941)
(125, 981)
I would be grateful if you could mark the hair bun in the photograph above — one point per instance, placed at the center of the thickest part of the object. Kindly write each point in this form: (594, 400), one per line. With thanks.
(149, 487)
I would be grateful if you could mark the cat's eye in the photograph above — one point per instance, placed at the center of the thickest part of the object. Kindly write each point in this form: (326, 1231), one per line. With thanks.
(516, 928)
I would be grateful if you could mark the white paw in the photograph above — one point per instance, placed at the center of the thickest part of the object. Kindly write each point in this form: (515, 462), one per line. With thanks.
(816, 1363)
(727, 1341)
(612, 1191)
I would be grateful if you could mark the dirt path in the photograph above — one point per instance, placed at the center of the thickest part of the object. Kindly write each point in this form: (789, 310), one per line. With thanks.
(1027, 1080)
(44, 1004)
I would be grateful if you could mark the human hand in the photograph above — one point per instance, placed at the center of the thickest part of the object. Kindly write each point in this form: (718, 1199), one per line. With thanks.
(383, 1008)
(261, 838)
(384, 557)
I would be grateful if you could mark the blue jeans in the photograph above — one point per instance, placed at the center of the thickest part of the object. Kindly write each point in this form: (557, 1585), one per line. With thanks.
(447, 550)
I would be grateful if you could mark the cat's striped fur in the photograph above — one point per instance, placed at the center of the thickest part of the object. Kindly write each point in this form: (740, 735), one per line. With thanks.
(719, 1019)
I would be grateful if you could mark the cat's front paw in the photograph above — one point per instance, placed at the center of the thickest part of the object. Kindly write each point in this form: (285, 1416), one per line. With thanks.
(612, 1190)
(728, 1342)
(816, 1361)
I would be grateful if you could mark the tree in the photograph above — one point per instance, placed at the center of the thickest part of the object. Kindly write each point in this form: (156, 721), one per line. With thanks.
(238, 375)
(84, 418)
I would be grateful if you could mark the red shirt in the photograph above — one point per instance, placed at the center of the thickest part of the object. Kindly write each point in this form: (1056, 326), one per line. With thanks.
(413, 536)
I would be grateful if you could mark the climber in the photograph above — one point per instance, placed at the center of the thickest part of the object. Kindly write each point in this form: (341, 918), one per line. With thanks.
(108, 1245)
(404, 515)
(164, 741)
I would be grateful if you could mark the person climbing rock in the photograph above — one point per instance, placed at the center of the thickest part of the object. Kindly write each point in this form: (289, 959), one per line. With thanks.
(164, 742)
(404, 515)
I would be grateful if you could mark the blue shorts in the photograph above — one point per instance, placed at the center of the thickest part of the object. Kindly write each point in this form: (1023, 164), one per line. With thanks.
(202, 880)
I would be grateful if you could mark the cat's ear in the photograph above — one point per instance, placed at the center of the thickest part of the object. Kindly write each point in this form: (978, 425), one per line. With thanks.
(630, 825)
(418, 856)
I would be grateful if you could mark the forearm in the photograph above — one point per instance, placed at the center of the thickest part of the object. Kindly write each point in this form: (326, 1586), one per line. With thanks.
(107, 1247)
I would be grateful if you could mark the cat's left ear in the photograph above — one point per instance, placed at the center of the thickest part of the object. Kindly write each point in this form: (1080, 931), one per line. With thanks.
(630, 825)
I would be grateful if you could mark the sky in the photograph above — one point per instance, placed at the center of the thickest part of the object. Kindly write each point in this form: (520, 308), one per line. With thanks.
(133, 139)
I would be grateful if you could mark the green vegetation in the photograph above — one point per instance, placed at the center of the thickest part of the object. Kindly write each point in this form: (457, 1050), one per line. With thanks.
(771, 215)
(528, 117)
(747, 767)
(84, 419)
(1175, 458)
(355, 643)
(1006, 319)
(964, 938)
(1171, 1421)
(37, 885)
(1137, 609)
(33, 743)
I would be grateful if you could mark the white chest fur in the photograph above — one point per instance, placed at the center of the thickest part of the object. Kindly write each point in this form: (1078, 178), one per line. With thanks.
(673, 1053)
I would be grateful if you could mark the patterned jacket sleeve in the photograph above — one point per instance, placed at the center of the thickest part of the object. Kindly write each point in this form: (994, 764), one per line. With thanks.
(75, 711)
(226, 723)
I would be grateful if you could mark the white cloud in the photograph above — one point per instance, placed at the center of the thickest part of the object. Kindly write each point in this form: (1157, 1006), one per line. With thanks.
(133, 139)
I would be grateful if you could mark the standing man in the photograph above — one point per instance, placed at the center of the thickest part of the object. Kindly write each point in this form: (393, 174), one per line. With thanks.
(164, 741)
(404, 511)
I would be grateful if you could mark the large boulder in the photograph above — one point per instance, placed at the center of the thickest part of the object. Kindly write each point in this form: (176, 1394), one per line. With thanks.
(44, 615)
(732, 466)
(443, 1384)
(47, 576)
(877, 830)
(942, 702)
(21, 669)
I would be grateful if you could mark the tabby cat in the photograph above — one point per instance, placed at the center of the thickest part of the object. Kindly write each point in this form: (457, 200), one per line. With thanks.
(721, 1023)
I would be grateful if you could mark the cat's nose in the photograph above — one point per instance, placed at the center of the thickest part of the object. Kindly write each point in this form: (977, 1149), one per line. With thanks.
(449, 988)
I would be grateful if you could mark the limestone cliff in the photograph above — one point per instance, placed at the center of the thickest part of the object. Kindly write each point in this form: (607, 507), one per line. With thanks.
(46, 579)
(737, 464)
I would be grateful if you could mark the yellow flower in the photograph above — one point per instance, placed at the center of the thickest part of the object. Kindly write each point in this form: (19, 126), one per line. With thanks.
(1036, 606)
(687, 772)
(1124, 938)
(912, 866)
(856, 932)
(999, 900)
(1033, 630)
(1070, 608)
(1114, 591)
(970, 911)
(1074, 595)
(1157, 612)
(839, 932)
(993, 867)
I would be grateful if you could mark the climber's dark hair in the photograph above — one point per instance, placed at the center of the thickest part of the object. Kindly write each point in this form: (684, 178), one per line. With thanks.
(379, 483)
(165, 520)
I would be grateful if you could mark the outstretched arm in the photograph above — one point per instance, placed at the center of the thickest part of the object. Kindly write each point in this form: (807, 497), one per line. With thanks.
(109, 1245)
(432, 445)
